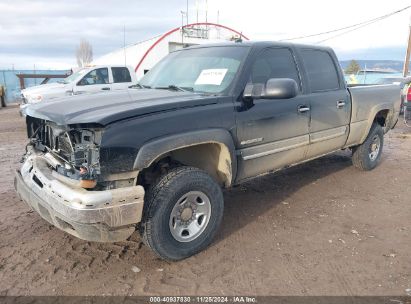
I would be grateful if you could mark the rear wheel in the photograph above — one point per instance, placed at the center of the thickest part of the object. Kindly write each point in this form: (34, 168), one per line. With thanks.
(367, 155)
(183, 211)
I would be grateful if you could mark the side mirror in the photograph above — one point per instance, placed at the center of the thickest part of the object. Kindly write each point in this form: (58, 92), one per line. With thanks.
(281, 88)
(275, 88)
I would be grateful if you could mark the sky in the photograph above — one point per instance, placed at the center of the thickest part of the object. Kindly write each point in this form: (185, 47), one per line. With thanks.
(45, 33)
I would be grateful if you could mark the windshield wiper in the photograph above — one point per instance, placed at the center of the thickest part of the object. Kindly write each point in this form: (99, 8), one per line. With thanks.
(140, 86)
(176, 88)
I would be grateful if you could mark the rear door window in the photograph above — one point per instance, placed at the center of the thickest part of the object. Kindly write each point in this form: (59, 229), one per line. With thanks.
(121, 74)
(321, 71)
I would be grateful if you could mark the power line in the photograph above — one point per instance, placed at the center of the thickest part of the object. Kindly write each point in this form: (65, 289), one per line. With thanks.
(346, 32)
(352, 27)
(365, 24)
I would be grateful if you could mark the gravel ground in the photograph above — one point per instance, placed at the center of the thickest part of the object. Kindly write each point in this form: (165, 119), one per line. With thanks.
(321, 228)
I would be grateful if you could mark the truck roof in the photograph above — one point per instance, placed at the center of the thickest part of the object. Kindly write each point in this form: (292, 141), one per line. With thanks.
(92, 66)
(260, 44)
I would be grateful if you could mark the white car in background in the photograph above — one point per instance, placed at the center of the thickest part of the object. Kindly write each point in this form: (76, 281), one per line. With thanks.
(84, 81)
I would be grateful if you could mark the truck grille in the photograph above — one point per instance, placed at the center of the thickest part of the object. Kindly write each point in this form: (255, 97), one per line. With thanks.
(77, 147)
(64, 144)
(51, 137)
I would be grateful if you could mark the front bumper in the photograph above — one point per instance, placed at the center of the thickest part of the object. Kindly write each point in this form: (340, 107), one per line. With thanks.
(102, 216)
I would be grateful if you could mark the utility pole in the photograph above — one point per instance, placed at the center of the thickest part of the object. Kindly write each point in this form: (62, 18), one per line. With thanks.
(407, 54)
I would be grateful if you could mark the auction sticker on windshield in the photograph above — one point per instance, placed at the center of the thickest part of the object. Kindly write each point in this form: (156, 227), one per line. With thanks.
(211, 76)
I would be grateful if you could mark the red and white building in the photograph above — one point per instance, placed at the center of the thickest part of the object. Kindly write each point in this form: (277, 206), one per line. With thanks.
(145, 54)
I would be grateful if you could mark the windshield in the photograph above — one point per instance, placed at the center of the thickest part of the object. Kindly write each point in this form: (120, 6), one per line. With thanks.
(205, 70)
(74, 76)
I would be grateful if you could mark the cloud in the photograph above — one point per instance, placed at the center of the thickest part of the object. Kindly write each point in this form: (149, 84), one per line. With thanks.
(46, 32)
(272, 20)
(34, 32)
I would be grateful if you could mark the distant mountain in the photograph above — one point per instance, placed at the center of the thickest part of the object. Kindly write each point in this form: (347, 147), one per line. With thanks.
(395, 65)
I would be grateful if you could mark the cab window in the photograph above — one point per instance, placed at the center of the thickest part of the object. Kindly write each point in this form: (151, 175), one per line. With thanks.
(321, 71)
(121, 74)
(97, 76)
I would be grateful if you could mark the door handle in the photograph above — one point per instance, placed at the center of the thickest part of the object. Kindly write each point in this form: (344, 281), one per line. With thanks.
(106, 89)
(303, 109)
(340, 104)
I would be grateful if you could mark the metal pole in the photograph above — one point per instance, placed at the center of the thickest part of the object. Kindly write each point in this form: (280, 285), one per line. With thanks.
(182, 28)
(187, 13)
(407, 54)
(197, 10)
(124, 45)
(207, 18)
(206, 10)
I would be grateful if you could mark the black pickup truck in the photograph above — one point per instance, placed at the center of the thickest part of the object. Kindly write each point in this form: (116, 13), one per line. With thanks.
(156, 157)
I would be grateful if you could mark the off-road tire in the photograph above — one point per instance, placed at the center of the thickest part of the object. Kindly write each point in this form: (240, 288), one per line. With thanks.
(160, 200)
(361, 154)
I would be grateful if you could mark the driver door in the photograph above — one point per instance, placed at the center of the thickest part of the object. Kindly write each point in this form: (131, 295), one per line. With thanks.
(96, 80)
(272, 133)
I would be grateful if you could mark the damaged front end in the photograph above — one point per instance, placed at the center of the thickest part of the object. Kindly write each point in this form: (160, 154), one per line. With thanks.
(76, 150)
(59, 179)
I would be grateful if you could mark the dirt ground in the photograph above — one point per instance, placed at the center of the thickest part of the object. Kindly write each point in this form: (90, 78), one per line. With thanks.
(321, 228)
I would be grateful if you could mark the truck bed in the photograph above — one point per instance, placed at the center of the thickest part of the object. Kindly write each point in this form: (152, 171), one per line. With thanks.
(367, 101)
(366, 98)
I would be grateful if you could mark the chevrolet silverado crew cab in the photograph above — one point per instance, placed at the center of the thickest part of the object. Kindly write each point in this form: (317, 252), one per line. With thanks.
(155, 158)
(86, 80)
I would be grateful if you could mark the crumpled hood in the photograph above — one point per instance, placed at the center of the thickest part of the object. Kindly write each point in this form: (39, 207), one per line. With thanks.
(106, 107)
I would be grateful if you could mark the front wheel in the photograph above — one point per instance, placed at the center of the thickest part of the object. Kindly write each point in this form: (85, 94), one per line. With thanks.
(183, 211)
(367, 155)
